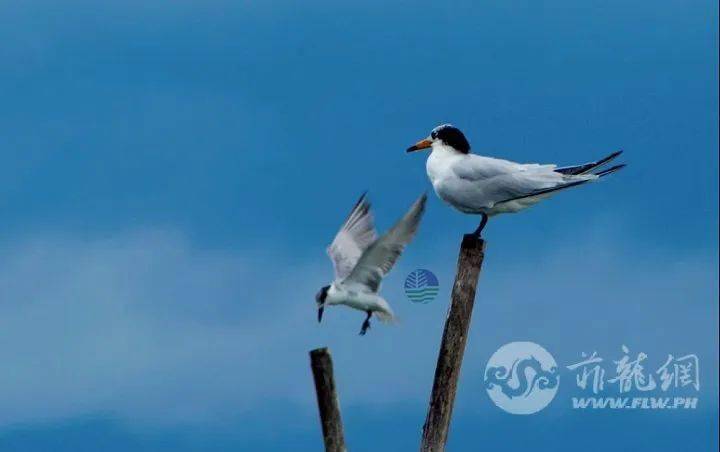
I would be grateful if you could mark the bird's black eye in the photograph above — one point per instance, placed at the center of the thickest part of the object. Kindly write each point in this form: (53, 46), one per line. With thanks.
(433, 134)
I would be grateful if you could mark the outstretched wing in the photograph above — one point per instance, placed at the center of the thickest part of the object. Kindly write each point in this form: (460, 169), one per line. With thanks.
(380, 257)
(354, 236)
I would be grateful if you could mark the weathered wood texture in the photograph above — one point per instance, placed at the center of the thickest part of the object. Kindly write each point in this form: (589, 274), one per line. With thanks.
(452, 348)
(328, 405)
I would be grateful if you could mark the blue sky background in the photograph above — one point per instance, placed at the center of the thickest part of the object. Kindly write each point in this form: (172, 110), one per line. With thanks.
(172, 172)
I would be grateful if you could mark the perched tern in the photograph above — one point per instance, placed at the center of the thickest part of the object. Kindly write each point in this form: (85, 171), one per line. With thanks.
(361, 260)
(488, 186)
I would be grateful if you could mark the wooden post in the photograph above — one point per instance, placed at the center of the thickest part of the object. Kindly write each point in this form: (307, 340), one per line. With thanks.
(332, 428)
(452, 347)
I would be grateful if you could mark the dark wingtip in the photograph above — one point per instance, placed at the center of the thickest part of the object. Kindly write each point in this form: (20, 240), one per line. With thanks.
(610, 170)
(361, 200)
(588, 167)
(607, 159)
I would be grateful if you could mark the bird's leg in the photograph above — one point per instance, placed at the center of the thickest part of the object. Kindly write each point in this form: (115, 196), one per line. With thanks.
(480, 228)
(366, 324)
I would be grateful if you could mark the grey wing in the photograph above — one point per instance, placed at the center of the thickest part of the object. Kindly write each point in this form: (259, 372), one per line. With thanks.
(354, 236)
(379, 258)
(502, 181)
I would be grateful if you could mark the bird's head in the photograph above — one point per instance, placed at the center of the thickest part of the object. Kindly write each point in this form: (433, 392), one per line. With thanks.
(320, 300)
(444, 135)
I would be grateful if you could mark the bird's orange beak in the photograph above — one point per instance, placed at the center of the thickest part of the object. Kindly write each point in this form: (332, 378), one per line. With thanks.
(422, 144)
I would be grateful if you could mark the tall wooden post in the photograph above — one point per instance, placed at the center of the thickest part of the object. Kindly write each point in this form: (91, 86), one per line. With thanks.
(452, 347)
(332, 428)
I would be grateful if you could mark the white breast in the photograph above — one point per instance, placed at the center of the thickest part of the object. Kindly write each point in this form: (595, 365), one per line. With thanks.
(439, 164)
(447, 185)
(357, 299)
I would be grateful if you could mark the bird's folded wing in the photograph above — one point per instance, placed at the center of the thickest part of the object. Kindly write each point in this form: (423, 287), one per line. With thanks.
(500, 181)
(380, 257)
(354, 236)
(505, 187)
(545, 191)
(479, 168)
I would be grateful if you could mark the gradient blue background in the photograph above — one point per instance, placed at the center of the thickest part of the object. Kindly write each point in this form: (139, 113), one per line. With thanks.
(172, 171)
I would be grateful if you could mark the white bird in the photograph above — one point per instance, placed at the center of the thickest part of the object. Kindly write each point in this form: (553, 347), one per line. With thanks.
(361, 260)
(488, 186)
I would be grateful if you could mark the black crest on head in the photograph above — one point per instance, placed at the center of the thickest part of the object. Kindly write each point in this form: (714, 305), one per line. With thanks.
(452, 136)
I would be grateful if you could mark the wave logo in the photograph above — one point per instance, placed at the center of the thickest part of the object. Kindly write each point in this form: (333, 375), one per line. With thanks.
(421, 286)
(522, 377)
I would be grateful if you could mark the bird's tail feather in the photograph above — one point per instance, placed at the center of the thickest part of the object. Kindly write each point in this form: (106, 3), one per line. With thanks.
(387, 315)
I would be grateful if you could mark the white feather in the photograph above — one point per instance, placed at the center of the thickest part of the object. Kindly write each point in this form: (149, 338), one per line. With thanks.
(476, 184)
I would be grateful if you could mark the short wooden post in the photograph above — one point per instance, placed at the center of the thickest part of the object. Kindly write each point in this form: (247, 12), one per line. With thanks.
(332, 428)
(452, 347)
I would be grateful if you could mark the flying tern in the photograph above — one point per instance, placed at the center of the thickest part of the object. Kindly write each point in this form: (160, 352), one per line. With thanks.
(487, 186)
(361, 260)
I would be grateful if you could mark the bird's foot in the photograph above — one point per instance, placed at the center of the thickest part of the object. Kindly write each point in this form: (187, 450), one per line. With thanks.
(365, 327)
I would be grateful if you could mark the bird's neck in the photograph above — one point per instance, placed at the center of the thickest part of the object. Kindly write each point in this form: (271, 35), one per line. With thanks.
(440, 163)
(442, 155)
(443, 150)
